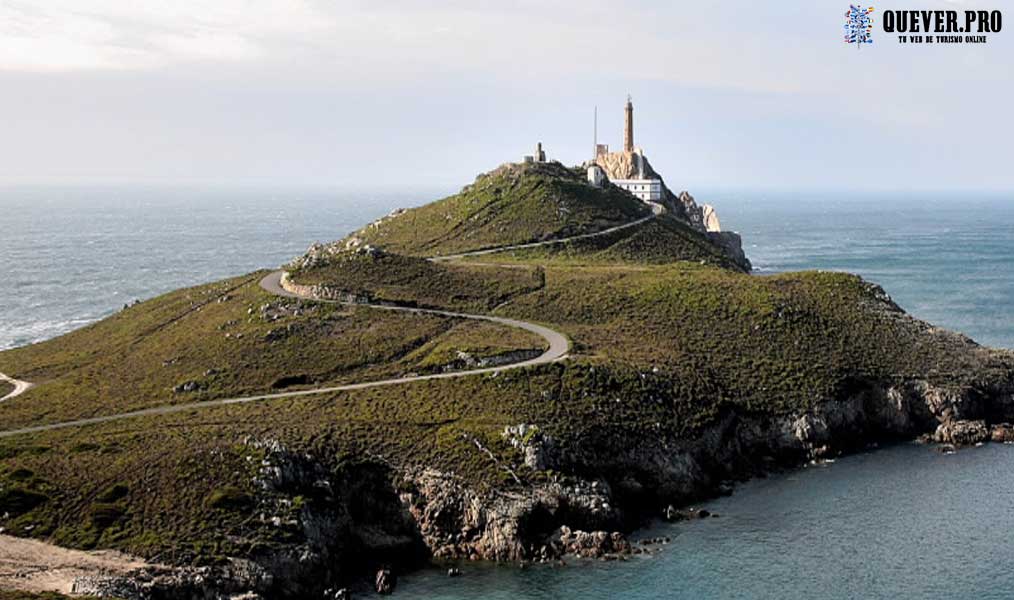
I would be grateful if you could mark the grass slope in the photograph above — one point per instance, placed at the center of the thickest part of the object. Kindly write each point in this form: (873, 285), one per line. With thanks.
(661, 351)
(659, 241)
(229, 339)
(513, 204)
(419, 282)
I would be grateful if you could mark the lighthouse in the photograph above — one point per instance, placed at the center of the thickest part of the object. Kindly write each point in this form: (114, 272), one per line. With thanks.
(628, 126)
(627, 169)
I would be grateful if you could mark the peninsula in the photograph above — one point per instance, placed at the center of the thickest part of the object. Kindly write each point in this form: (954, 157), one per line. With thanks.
(529, 369)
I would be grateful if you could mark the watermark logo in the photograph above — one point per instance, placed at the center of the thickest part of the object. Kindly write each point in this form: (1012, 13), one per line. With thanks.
(858, 25)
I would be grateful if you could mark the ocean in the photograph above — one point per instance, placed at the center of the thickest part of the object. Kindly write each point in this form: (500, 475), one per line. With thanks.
(899, 522)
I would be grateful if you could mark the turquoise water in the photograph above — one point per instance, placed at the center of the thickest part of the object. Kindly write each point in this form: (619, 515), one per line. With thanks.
(903, 522)
(899, 522)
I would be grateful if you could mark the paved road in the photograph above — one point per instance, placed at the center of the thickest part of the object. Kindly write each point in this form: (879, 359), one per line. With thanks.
(558, 348)
(20, 387)
(558, 345)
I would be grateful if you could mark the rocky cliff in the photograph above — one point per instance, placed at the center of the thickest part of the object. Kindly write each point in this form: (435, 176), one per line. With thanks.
(378, 516)
(702, 217)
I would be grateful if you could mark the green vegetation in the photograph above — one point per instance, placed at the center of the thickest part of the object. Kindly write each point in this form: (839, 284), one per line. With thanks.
(5, 388)
(513, 204)
(230, 498)
(660, 352)
(418, 282)
(660, 241)
(231, 339)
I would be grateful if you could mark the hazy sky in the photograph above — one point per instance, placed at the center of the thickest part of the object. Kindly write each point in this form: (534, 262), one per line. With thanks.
(394, 93)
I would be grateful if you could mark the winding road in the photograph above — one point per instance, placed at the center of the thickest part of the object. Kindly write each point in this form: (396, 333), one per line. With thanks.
(558, 345)
(20, 387)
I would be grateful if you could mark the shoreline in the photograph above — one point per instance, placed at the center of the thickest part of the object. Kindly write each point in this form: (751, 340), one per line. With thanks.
(36, 566)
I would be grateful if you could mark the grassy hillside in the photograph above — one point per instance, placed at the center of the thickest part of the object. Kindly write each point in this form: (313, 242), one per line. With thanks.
(5, 388)
(513, 204)
(419, 282)
(659, 241)
(668, 337)
(660, 352)
(774, 341)
(229, 339)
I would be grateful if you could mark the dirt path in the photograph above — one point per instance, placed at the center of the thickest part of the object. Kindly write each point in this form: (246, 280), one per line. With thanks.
(34, 566)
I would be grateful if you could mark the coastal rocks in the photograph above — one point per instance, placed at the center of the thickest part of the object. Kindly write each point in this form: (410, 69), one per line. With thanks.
(539, 450)
(709, 218)
(339, 520)
(384, 582)
(962, 432)
(1002, 433)
(704, 218)
(237, 578)
(457, 522)
(672, 513)
(589, 544)
(732, 244)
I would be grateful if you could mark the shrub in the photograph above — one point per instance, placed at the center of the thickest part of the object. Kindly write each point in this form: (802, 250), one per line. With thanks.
(230, 498)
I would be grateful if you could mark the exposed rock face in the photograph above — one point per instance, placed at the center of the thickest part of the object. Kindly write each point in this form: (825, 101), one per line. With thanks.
(234, 580)
(710, 218)
(732, 244)
(321, 254)
(539, 450)
(589, 544)
(625, 165)
(382, 517)
(456, 521)
(961, 433)
(1002, 433)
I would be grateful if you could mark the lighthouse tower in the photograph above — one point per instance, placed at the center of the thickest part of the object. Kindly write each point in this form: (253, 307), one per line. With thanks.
(628, 126)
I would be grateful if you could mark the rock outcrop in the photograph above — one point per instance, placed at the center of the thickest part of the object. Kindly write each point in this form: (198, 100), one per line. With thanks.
(962, 432)
(703, 217)
(710, 218)
(387, 518)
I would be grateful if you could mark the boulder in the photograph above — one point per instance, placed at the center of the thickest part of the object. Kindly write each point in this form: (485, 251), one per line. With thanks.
(385, 582)
(591, 544)
(961, 432)
(1002, 433)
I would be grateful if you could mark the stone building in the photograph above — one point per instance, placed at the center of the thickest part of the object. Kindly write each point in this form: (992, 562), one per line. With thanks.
(539, 156)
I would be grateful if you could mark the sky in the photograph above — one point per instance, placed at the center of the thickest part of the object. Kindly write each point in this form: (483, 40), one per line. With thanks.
(378, 93)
